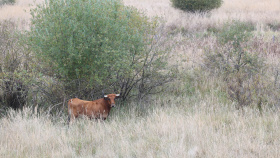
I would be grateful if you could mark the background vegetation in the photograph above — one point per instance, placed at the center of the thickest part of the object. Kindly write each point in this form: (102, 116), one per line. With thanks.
(224, 101)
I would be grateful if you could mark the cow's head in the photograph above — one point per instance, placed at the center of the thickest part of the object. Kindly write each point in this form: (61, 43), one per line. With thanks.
(110, 98)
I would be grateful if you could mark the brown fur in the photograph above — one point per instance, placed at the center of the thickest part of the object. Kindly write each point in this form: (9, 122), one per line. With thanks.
(98, 109)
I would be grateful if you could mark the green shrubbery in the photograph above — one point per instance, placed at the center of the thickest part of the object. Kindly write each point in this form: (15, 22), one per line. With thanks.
(94, 45)
(196, 5)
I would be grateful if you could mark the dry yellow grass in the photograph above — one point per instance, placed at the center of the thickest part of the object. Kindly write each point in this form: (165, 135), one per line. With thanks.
(256, 11)
(171, 126)
(175, 129)
(19, 12)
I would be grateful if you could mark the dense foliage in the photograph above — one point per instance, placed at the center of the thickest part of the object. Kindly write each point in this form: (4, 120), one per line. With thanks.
(93, 44)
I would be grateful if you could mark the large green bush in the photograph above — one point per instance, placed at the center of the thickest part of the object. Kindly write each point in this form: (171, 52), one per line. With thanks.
(94, 44)
(196, 5)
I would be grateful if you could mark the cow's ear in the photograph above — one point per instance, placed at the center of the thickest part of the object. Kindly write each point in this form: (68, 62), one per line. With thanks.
(118, 95)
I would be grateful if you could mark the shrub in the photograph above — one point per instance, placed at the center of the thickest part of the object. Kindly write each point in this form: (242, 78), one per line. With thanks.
(240, 69)
(2, 2)
(20, 81)
(12, 87)
(196, 5)
(235, 33)
(99, 44)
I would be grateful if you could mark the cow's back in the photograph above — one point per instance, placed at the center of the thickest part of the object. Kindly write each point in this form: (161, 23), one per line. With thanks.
(97, 108)
(77, 106)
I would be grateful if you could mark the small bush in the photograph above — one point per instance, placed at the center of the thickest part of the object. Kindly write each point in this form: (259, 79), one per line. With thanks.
(13, 90)
(235, 33)
(196, 5)
(240, 69)
(3, 2)
(20, 81)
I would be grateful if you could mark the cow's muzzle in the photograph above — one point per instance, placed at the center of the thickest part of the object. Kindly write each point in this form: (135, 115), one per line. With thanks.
(113, 105)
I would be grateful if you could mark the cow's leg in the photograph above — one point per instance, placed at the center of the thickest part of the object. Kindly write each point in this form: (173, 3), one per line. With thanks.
(72, 117)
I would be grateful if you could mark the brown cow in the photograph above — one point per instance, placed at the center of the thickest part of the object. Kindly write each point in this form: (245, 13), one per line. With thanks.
(98, 109)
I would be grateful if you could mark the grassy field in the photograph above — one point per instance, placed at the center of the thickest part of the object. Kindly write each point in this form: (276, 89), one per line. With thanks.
(193, 118)
(177, 128)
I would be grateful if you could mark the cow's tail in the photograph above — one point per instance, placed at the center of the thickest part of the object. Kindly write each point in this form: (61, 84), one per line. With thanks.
(69, 118)
(69, 111)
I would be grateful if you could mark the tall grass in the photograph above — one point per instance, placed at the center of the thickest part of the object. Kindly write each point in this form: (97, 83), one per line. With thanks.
(176, 128)
(254, 11)
(19, 12)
